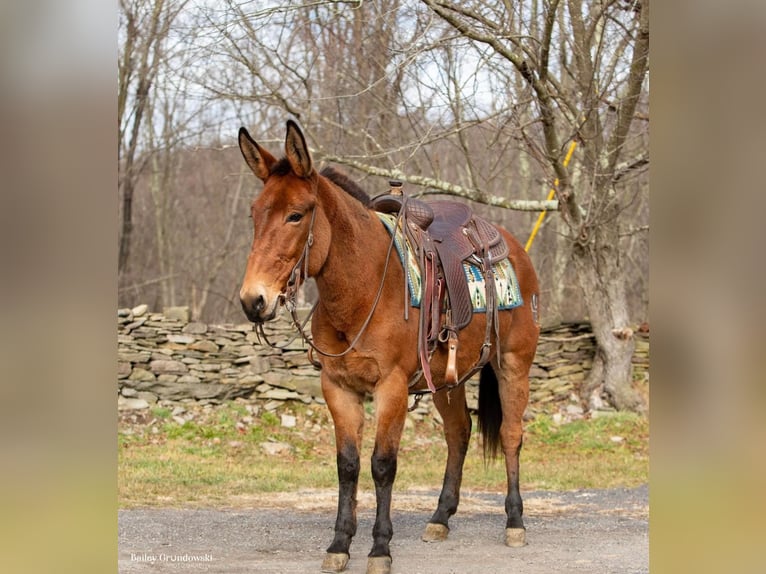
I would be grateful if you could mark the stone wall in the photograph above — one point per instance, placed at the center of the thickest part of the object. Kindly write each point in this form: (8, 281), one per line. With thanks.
(165, 357)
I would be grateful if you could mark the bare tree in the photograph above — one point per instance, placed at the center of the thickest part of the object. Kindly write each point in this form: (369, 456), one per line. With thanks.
(144, 26)
(585, 75)
(168, 206)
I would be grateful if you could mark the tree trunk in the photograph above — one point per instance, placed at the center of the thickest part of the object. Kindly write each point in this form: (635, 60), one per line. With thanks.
(149, 57)
(200, 301)
(602, 280)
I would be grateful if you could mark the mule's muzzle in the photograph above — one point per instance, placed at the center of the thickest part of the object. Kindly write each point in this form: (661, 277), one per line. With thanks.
(256, 308)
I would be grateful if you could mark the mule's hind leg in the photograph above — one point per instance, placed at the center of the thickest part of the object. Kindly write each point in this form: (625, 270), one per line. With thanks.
(457, 432)
(348, 416)
(513, 388)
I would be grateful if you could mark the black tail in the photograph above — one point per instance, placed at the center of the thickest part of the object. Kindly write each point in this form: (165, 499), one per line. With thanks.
(490, 411)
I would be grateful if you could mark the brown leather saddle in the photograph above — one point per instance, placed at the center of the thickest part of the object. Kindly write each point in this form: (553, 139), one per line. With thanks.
(445, 234)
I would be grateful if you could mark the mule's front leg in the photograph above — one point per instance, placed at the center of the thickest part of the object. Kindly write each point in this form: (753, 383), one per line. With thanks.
(348, 416)
(391, 410)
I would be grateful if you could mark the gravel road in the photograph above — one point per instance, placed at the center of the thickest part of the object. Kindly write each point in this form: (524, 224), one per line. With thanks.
(593, 531)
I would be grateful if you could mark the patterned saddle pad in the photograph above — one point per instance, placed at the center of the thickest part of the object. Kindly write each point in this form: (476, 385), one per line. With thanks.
(506, 284)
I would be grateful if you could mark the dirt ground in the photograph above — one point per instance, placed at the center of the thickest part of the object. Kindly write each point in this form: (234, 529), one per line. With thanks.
(593, 531)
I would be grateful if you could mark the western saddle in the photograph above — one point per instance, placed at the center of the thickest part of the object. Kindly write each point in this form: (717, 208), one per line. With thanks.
(445, 234)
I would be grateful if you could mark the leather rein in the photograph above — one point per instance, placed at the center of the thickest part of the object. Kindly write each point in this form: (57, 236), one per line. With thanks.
(298, 275)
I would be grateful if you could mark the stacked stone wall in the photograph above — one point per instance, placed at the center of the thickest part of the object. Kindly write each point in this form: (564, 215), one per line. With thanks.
(167, 357)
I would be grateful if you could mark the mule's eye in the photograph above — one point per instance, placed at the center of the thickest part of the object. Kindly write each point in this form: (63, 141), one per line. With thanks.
(294, 217)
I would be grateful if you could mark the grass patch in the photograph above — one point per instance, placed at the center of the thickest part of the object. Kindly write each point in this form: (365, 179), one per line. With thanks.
(605, 452)
(161, 412)
(215, 458)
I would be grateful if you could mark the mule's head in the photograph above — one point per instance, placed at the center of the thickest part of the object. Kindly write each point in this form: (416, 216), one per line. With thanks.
(283, 220)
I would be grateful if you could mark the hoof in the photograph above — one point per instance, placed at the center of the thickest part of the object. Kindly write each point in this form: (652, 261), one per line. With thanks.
(334, 562)
(379, 565)
(435, 532)
(515, 537)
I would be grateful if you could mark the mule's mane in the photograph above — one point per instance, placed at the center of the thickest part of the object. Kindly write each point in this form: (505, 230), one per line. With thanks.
(346, 184)
(282, 167)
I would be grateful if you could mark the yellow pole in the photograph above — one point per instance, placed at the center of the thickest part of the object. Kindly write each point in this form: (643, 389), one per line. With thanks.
(551, 193)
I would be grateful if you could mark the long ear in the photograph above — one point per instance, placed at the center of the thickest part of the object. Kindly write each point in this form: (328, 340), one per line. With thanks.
(297, 151)
(257, 158)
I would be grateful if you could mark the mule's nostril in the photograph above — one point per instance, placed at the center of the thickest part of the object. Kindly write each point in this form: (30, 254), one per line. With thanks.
(258, 304)
(253, 306)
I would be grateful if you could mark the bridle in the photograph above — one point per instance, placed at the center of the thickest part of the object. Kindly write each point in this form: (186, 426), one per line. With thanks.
(288, 298)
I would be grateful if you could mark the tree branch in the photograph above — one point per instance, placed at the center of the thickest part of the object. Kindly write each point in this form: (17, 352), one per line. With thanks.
(634, 231)
(436, 186)
(545, 49)
(625, 169)
(638, 67)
